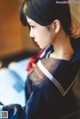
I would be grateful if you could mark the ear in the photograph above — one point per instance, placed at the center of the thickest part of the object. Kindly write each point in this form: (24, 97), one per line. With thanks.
(56, 26)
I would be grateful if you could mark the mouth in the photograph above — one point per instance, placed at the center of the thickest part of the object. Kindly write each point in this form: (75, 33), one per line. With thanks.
(36, 41)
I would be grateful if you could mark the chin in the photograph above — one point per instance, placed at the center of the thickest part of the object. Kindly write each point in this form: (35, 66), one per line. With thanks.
(41, 47)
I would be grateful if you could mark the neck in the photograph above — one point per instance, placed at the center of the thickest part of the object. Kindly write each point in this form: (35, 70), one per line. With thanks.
(62, 47)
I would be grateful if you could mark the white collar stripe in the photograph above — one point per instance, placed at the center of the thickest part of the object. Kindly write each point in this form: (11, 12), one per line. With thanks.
(50, 76)
(72, 83)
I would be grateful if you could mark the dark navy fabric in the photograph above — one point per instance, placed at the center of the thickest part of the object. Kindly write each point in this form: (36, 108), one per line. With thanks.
(44, 100)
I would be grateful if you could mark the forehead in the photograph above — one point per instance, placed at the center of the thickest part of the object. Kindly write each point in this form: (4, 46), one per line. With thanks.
(30, 20)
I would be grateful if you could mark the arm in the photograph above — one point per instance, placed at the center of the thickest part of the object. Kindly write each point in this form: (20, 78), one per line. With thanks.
(41, 104)
(44, 102)
(30, 111)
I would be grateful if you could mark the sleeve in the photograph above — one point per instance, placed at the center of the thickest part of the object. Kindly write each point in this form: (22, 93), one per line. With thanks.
(28, 88)
(32, 110)
(44, 102)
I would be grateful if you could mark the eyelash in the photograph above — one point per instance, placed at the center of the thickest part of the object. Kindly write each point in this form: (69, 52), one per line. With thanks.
(32, 26)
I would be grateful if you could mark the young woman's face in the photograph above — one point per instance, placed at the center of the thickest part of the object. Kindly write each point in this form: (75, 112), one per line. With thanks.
(41, 34)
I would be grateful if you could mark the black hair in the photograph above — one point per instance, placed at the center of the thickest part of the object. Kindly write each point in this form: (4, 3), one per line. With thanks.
(22, 14)
(44, 12)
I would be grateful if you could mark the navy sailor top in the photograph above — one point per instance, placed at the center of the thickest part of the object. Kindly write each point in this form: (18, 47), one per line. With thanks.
(49, 92)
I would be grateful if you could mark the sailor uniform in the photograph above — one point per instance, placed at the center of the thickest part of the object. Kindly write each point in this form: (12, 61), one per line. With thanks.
(48, 89)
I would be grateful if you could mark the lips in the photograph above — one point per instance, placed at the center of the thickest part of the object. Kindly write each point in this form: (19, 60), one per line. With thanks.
(36, 41)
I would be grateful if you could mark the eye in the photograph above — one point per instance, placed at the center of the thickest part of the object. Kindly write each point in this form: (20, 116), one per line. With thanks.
(32, 26)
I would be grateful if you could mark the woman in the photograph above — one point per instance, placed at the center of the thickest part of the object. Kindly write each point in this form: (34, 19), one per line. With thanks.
(55, 69)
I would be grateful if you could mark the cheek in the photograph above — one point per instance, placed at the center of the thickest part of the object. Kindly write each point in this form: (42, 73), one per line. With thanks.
(46, 40)
(47, 37)
(43, 37)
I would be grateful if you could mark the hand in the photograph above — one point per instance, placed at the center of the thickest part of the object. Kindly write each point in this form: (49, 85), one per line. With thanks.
(75, 28)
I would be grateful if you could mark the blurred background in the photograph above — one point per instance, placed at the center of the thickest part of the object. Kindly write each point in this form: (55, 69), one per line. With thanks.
(15, 43)
(14, 37)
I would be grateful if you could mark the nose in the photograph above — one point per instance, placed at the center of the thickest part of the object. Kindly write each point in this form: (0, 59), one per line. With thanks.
(31, 34)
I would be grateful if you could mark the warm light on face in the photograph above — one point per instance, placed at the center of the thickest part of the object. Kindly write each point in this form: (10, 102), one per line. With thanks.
(40, 34)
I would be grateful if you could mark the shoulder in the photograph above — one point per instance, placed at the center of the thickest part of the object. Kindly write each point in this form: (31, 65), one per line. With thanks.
(58, 73)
